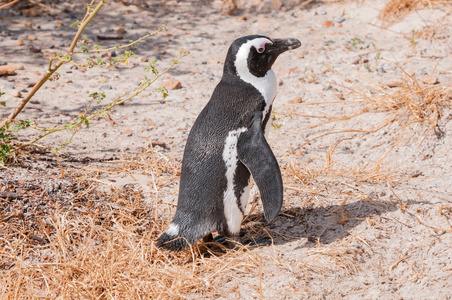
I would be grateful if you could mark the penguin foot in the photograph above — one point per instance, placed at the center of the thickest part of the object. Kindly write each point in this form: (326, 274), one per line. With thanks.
(260, 242)
(236, 244)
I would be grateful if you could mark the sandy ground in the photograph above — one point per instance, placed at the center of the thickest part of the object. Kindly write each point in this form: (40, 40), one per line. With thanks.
(367, 208)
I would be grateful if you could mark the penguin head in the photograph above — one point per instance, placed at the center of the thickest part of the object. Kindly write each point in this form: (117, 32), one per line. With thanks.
(256, 54)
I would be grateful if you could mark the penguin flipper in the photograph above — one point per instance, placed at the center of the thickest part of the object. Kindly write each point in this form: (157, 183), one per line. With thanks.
(255, 153)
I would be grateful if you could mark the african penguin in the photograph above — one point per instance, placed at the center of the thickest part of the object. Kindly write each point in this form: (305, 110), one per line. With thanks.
(226, 144)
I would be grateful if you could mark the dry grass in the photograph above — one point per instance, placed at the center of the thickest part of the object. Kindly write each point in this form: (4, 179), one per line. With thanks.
(396, 9)
(88, 244)
(81, 242)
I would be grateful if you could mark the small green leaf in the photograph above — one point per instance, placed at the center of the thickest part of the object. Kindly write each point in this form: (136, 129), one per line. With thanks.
(76, 23)
(2, 103)
(16, 127)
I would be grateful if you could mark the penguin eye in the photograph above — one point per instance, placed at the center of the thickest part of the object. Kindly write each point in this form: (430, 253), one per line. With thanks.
(260, 49)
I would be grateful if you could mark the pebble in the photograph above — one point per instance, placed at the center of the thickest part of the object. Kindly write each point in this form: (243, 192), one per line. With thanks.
(106, 87)
(327, 23)
(322, 12)
(31, 37)
(7, 70)
(172, 85)
(9, 86)
(34, 49)
(380, 69)
(339, 19)
(121, 30)
(297, 99)
(423, 71)
(127, 132)
(17, 94)
(426, 79)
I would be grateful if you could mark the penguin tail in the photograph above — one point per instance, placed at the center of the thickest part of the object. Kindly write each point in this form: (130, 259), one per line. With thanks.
(172, 240)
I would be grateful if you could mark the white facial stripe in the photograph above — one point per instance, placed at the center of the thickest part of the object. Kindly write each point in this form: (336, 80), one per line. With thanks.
(232, 212)
(266, 85)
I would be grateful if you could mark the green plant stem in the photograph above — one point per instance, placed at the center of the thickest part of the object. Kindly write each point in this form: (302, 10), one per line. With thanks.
(114, 103)
(88, 17)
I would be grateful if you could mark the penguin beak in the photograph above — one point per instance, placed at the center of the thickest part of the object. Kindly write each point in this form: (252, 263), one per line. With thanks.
(282, 45)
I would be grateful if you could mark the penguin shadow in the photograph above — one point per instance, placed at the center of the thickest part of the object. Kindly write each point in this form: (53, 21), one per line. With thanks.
(312, 226)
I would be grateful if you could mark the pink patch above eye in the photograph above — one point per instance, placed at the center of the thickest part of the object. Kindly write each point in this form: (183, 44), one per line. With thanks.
(261, 48)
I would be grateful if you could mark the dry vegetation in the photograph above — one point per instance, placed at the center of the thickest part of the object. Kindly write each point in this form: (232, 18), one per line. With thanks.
(83, 241)
(86, 240)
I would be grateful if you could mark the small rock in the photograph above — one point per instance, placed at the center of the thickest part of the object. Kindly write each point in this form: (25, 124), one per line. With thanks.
(322, 12)
(296, 100)
(59, 23)
(339, 19)
(17, 94)
(151, 123)
(356, 61)
(7, 70)
(301, 55)
(423, 71)
(19, 42)
(32, 37)
(121, 30)
(127, 132)
(172, 85)
(28, 25)
(394, 84)
(340, 96)
(144, 59)
(106, 87)
(327, 23)
(49, 54)
(160, 144)
(16, 66)
(34, 49)
(9, 86)
(426, 79)
(365, 61)
(380, 69)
